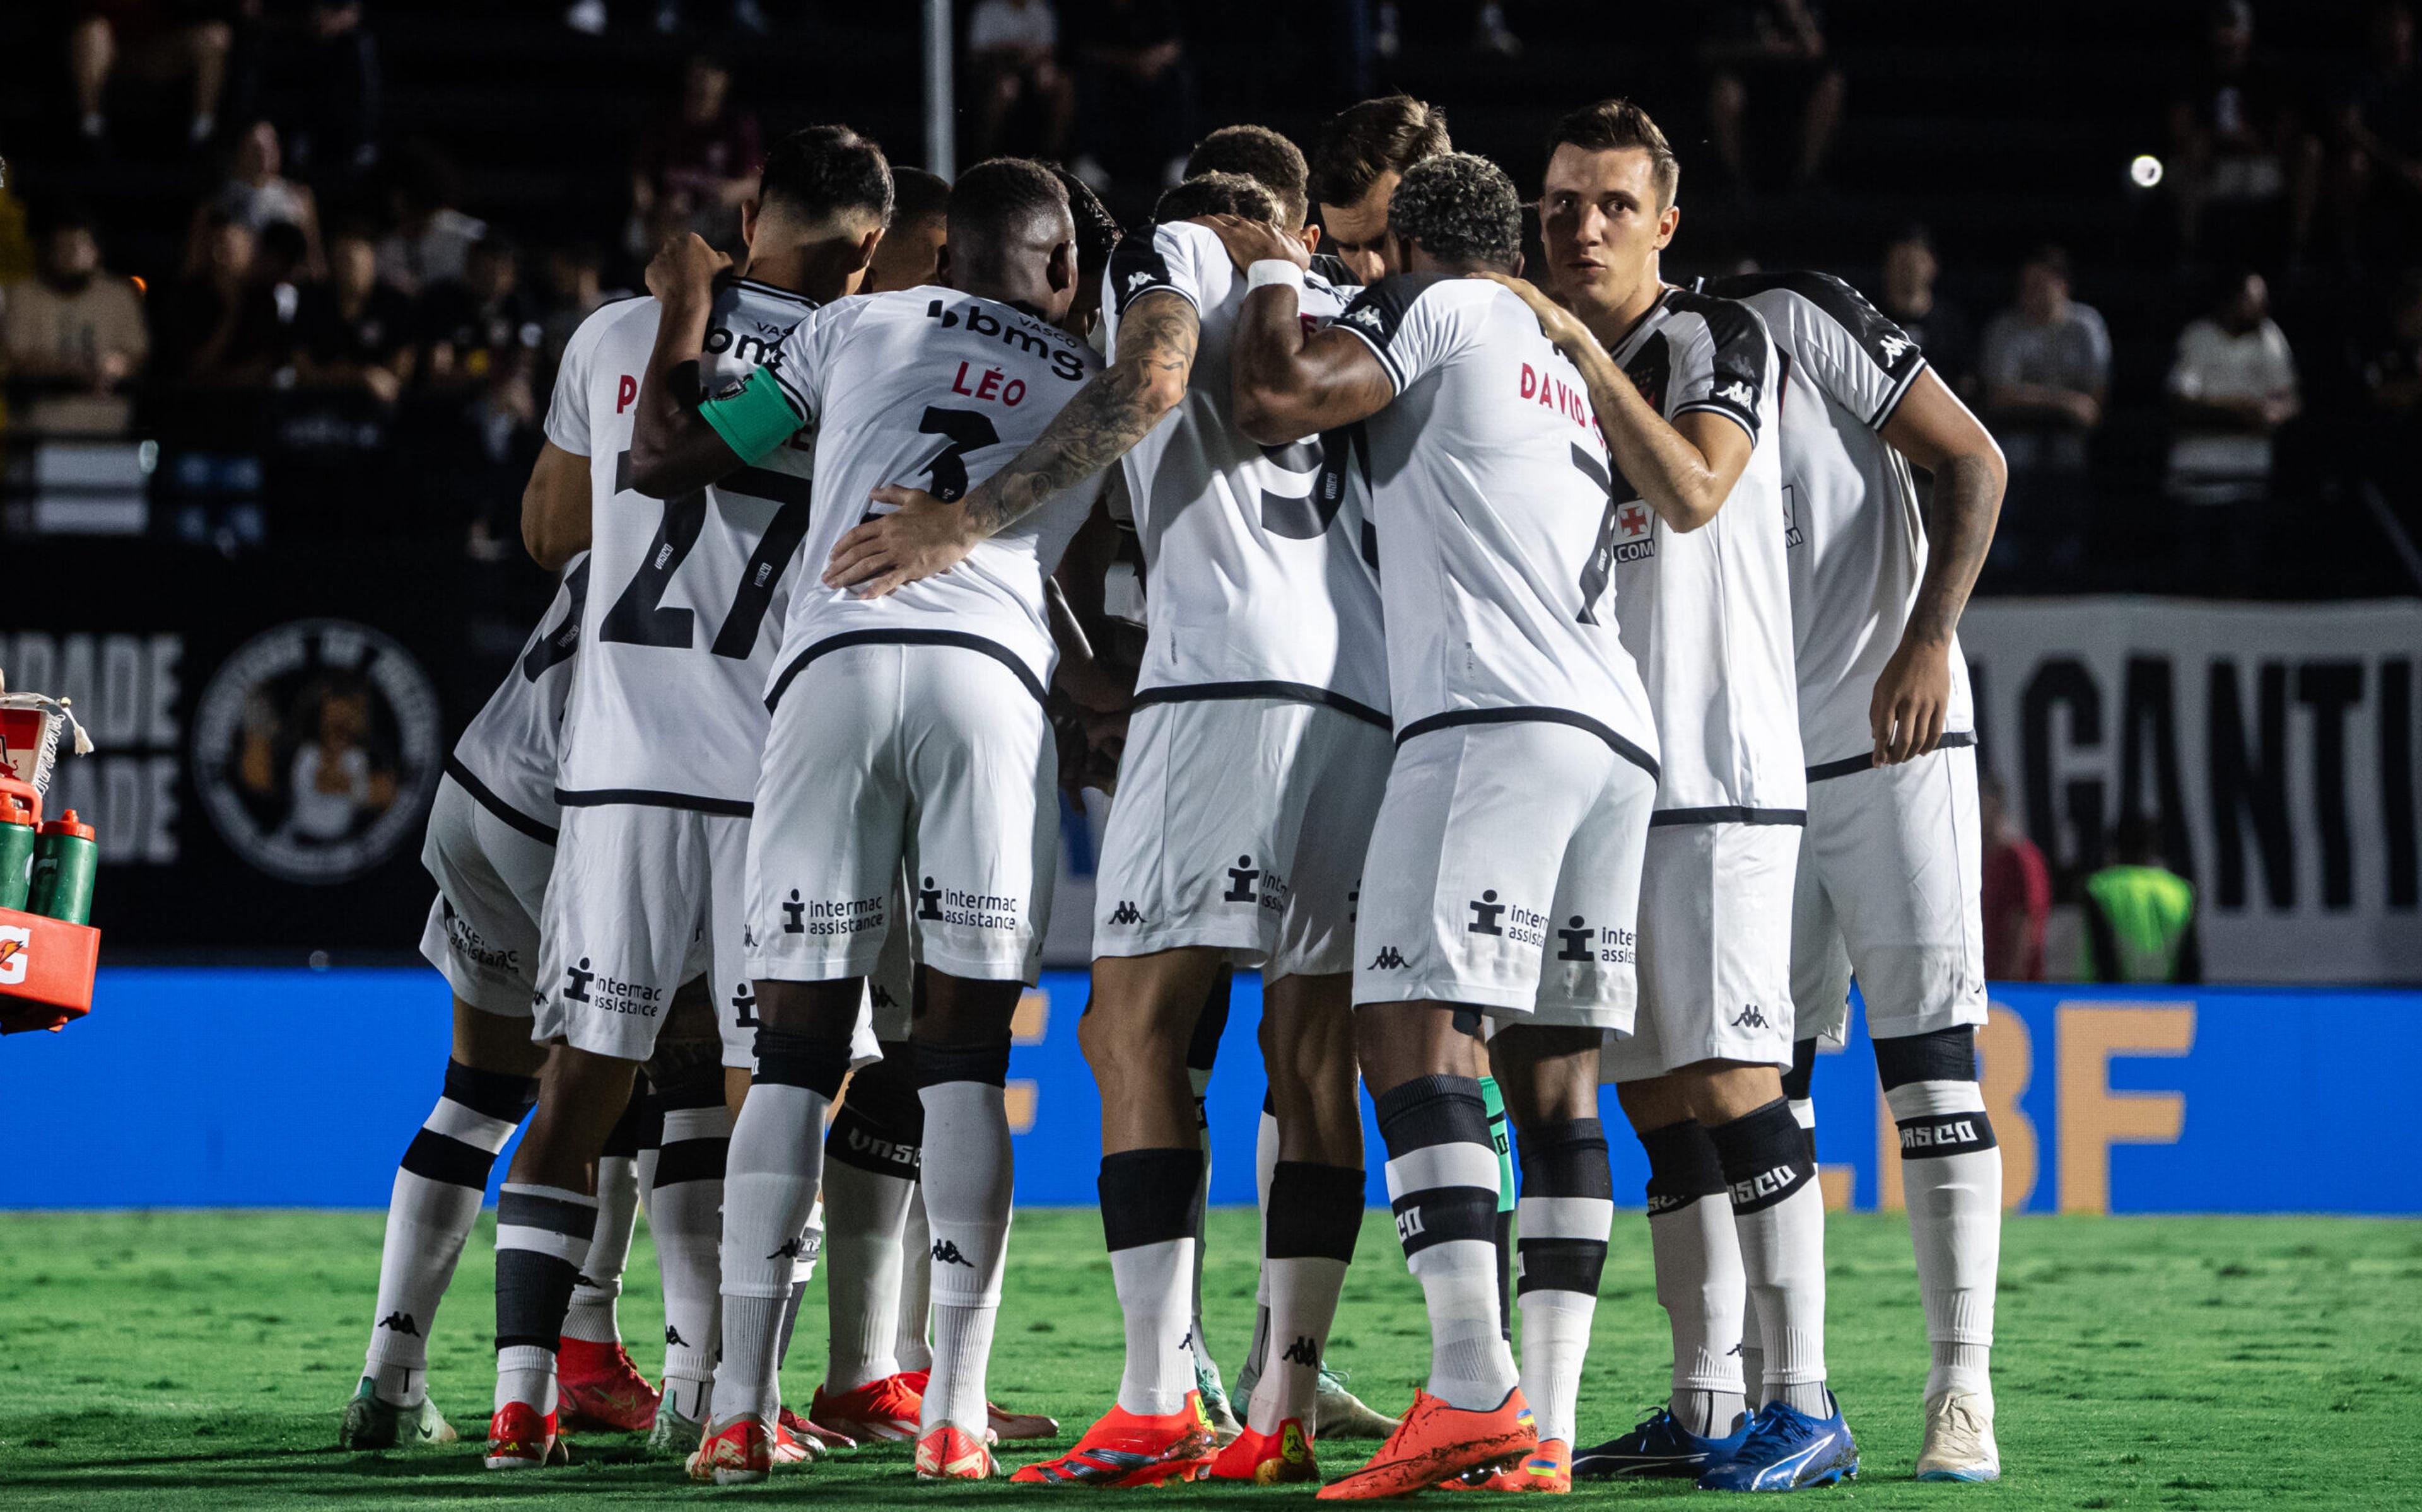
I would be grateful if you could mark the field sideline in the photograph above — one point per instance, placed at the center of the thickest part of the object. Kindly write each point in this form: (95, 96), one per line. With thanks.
(200, 1359)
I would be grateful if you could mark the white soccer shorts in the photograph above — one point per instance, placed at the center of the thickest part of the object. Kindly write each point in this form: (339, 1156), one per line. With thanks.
(642, 900)
(491, 873)
(1241, 823)
(1891, 874)
(935, 757)
(1504, 874)
(1714, 949)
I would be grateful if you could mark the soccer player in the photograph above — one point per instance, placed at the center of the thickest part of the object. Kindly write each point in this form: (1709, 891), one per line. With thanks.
(1685, 387)
(911, 248)
(907, 731)
(1361, 156)
(1252, 765)
(1505, 864)
(1890, 873)
(661, 736)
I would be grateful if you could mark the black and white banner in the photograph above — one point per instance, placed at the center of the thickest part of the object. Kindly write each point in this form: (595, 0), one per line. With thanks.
(2275, 744)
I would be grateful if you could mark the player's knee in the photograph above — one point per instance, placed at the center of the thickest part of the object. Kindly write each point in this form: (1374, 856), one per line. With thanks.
(1929, 1080)
(1128, 1041)
(816, 1062)
(1939, 1056)
(987, 1062)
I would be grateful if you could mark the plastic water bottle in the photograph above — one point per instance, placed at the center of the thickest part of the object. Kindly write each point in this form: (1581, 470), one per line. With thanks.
(64, 861)
(16, 855)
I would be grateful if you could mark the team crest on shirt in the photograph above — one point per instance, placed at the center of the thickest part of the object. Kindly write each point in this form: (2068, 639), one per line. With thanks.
(1634, 531)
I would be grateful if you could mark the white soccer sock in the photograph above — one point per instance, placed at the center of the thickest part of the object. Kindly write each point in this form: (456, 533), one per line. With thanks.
(1779, 1215)
(1564, 1216)
(912, 1344)
(1753, 1347)
(1701, 1287)
(1442, 1178)
(1951, 1178)
(968, 1183)
(1151, 1281)
(543, 1233)
(526, 1372)
(769, 1188)
(600, 1287)
(803, 1269)
(1266, 1160)
(1316, 1215)
(1197, 1339)
(686, 1215)
(866, 1215)
(431, 1208)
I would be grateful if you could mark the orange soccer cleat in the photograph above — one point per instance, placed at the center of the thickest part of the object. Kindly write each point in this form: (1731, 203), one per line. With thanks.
(522, 1438)
(736, 1451)
(598, 1387)
(885, 1409)
(1276, 1458)
(1547, 1468)
(999, 1421)
(1436, 1443)
(952, 1453)
(1124, 1448)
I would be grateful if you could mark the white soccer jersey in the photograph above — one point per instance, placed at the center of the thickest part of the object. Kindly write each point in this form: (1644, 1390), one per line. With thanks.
(1708, 613)
(1256, 582)
(1489, 479)
(508, 756)
(1856, 534)
(685, 595)
(933, 389)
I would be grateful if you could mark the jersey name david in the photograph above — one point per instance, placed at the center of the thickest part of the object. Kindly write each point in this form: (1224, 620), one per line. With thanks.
(1856, 533)
(1708, 613)
(685, 595)
(932, 389)
(1255, 577)
(510, 752)
(1488, 485)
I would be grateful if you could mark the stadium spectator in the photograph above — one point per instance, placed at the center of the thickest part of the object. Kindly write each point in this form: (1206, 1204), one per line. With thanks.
(73, 335)
(1135, 91)
(1777, 45)
(321, 82)
(910, 252)
(570, 286)
(355, 330)
(2379, 177)
(698, 164)
(432, 239)
(2240, 144)
(1014, 49)
(2046, 365)
(2232, 387)
(1936, 322)
(2017, 892)
(2140, 915)
(156, 40)
(256, 194)
(475, 326)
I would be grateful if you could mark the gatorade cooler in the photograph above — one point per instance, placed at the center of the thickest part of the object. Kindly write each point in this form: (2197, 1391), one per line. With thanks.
(46, 964)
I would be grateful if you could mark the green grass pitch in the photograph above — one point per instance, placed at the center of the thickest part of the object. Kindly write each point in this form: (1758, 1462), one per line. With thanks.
(173, 1359)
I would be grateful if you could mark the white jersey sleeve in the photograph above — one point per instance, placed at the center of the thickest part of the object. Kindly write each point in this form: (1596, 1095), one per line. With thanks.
(1163, 260)
(567, 409)
(1411, 336)
(508, 756)
(1721, 364)
(1854, 353)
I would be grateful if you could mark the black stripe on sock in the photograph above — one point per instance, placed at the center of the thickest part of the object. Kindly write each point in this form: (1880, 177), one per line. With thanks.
(1765, 1156)
(688, 1085)
(1567, 1160)
(533, 1294)
(1501, 1235)
(692, 1160)
(1804, 1070)
(556, 1215)
(1442, 1215)
(1939, 1056)
(491, 1094)
(1945, 1133)
(1434, 1110)
(1148, 1196)
(807, 1061)
(857, 1140)
(1561, 1265)
(988, 1064)
(436, 1157)
(1682, 1167)
(1270, 1103)
(1316, 1212)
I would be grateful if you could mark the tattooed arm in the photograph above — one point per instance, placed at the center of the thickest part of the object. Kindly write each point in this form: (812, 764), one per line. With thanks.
(1114, 410)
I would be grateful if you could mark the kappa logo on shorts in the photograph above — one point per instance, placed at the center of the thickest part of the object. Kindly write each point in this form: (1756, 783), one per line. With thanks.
(744, 1005)
(747, 938)
(881, 995)
(1389, 959)
(1751, 1018)
(929, 900)
(1577, 941)
(946, 1253)
(794, 912)
(1241, 878)
(1486, 911)
(1127, 912)
(576, 980)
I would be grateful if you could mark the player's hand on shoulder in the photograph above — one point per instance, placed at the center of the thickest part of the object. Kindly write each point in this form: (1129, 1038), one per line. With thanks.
(1251, 241)
(684, 268)
(1561, 326)
(921, 537)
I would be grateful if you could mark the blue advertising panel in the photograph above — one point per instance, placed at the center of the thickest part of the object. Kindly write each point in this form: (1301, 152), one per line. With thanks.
(234, 1088)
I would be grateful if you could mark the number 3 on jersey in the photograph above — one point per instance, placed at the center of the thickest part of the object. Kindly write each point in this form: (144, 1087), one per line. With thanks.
(638, 615)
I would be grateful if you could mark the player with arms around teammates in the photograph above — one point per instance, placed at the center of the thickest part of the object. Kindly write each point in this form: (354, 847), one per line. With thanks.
(909, 731)
(662, 736)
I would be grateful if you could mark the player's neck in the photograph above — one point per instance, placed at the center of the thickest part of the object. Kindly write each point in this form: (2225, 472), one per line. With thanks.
(819, 270)
(1613, 324)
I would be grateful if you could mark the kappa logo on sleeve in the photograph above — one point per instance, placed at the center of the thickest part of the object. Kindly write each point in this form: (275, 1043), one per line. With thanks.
(1738, 391)
(1891, 347)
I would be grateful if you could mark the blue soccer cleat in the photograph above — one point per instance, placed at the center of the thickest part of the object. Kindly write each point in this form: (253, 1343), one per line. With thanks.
(1659, 1447)
(1788, 1451)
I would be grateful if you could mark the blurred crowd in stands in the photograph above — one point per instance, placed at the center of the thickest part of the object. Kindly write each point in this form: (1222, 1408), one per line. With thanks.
(338, 344)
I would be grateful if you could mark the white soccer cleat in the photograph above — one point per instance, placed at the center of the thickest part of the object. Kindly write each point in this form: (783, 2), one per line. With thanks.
(1337, 1414)
(1959, 1439)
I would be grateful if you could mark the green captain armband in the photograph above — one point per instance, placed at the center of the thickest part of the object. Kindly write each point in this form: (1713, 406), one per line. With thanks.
(754, 418)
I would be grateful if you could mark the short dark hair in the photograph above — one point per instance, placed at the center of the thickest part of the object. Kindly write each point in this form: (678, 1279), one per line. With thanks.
(1218, 194)
(821, 173)
(1001, 201)
(1263, 156)
(918, 196)
(1362, 142)
(1098, 230)
(1618, 125)
(1459, 208)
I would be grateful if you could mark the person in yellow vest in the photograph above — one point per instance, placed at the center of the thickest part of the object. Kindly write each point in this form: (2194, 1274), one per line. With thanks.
(2140, 915)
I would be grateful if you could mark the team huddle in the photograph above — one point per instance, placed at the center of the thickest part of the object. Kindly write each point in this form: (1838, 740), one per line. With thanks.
(1541, 686)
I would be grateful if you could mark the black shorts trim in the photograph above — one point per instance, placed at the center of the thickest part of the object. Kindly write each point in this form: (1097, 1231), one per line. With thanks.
(1727, 814)
(1826, 771)
(482, 795)
(1531, 714)
(651, 797)
(1300, 693)
(959, 638)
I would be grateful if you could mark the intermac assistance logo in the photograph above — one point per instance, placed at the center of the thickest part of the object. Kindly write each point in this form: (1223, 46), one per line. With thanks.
(315, 749)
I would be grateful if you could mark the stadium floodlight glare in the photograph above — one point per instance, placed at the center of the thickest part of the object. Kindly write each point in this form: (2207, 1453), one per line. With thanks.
(2145, 170)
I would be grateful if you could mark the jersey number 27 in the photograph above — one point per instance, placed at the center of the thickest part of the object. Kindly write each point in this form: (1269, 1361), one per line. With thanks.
(640, 616)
